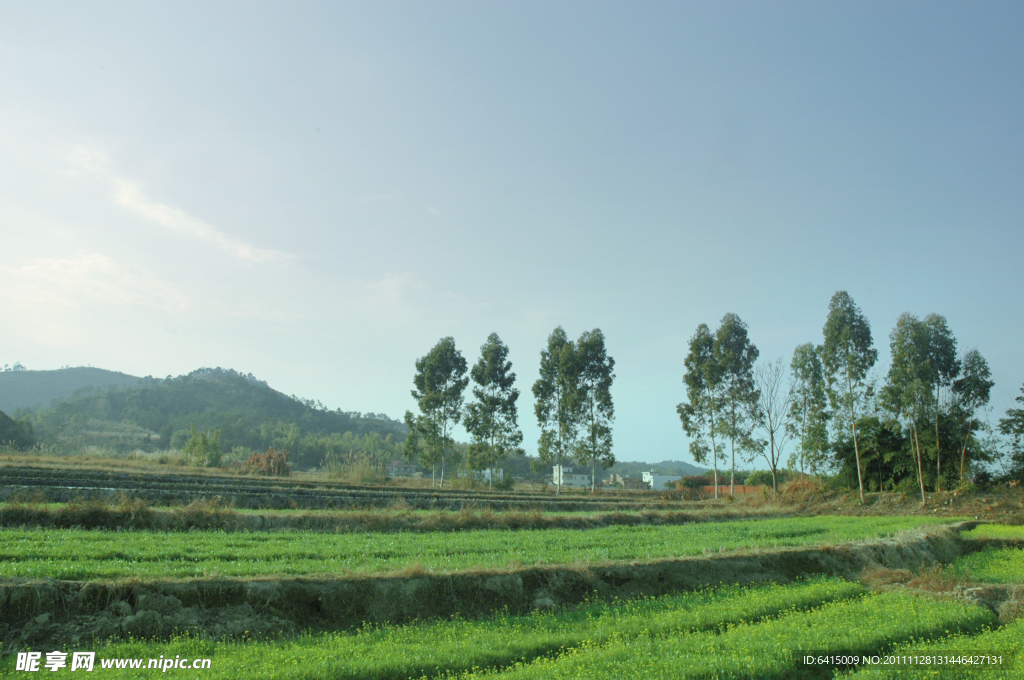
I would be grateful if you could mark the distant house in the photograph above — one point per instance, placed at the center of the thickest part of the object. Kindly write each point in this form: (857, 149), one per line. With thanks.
(657, 482)
(568, 477)
(482, 475)
(625, 481)
(401, 468)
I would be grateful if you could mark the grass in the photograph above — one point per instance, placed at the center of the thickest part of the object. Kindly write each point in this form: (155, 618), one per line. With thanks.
(1007, 642)
(458, 646)
(1002, 531)
(76, 554)
(766, 649)
(1001, 565)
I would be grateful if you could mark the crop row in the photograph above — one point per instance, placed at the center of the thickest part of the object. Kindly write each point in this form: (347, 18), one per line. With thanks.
(999, 565)
(77, 554)
(992, 654)
(41, 477)
(998, 531)
(767, 649)
(726, 632)
(458, 645)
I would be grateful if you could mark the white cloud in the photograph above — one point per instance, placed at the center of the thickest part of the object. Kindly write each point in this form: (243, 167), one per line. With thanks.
(128, 195)
(74, 283)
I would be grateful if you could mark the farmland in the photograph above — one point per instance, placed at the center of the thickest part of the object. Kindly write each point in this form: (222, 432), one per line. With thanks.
(77, 554)
(267, 579)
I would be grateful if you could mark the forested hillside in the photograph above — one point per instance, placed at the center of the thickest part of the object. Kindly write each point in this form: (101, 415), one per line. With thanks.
(15, 434)
(250, 416)
(23, 389)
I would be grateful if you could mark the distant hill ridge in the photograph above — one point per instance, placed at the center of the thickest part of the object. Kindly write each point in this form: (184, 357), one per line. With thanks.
(30, 390)
(154, 414)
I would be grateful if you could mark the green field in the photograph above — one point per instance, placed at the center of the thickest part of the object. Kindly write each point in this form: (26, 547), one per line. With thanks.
(1007, 642)
(735, 631)
(77, 554)
(1003, 565)
(1004, 531)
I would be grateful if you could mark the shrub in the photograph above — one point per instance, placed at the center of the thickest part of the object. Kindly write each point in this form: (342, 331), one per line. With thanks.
(355, 467)
(273, 462)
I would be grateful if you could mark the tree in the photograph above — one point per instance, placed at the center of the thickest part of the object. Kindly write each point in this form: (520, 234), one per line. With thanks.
(847, 355)
(700, 414)
(943, 369)
(440, 381)
(1013, 426)
(808, 415)
(735, 356)
(909, 389)
(492, 420)
(772, 412)
(595, 403)
(557, 392)
(203, 449)
(971, 392)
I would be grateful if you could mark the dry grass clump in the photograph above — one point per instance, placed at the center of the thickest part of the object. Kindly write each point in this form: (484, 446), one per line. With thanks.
(939, 578)
(206, 513)
(121, 512)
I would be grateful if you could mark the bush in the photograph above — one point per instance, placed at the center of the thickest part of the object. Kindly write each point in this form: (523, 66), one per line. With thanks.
(270, 463)
(694, 482)
(355, 467)
(504, 484)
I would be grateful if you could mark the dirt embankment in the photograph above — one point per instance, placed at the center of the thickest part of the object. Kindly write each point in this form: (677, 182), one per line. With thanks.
(51, 612)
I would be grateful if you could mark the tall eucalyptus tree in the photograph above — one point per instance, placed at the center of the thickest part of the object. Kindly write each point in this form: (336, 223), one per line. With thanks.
(943, 369)
(557, 408)
(596, 411)
(847, 355)
(909, 389)
(440, 381)
(971, 392)
(808, 408)
(701, 412)
(492, 419)
(735, 356)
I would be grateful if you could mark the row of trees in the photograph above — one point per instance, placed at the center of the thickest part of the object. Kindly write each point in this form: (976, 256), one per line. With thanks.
(918, 426)
(573, 405)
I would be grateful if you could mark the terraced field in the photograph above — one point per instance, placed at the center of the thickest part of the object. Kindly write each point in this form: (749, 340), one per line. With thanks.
(77, 554)
(727, 632)
(62, 485)
(453, 588)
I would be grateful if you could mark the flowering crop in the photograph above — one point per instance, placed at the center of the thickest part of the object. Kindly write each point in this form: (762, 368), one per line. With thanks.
(78, 554)
(458, 646)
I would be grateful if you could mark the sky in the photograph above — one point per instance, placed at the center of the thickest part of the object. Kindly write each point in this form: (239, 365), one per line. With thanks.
(316, 193)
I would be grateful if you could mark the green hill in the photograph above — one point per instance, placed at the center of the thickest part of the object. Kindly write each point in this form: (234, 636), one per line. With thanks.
(15, 434)
(157, 414)
(30, 390)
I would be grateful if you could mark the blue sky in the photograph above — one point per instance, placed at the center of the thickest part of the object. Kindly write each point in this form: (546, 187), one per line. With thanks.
(316, 193)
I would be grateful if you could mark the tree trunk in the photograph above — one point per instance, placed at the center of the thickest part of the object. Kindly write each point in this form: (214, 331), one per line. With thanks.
(963, 454)
(856, 447)
(714, 449)
(920, 469)
(938, 450)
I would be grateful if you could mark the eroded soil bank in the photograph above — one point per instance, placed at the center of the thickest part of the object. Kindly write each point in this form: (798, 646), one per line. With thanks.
(49, 612)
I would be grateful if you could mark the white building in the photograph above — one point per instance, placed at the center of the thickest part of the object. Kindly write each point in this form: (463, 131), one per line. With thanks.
(657, 482)
(568, 477)
(483, 475)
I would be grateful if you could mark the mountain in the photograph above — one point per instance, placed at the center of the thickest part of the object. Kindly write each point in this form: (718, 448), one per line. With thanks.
(156, 414)
(665, 467)
(30, 390)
